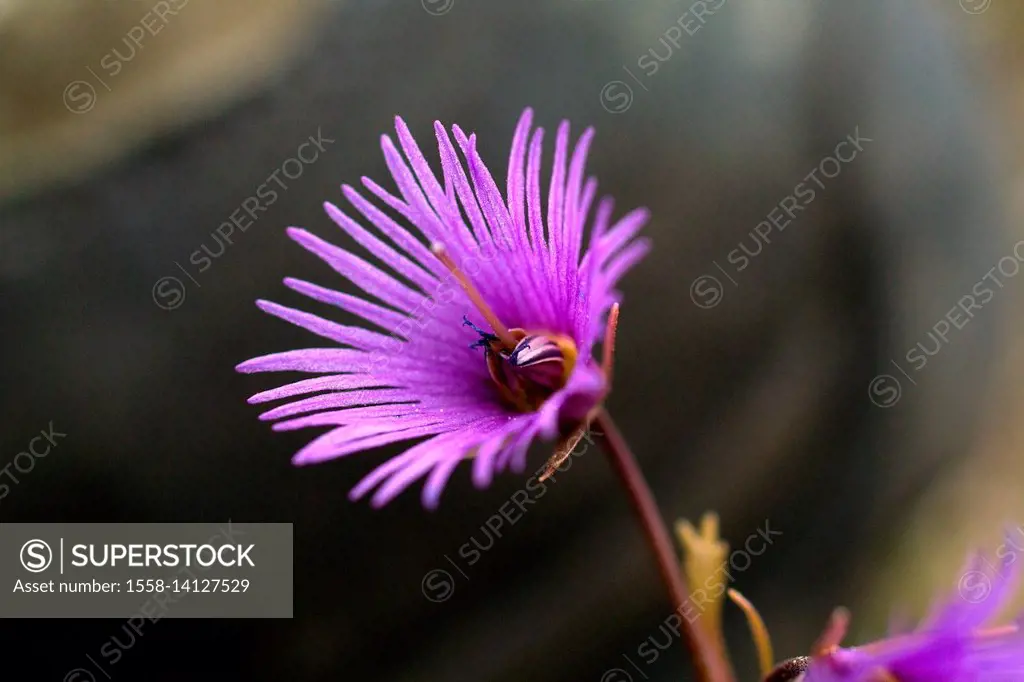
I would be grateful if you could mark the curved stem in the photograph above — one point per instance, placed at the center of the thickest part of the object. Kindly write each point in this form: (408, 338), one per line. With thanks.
(711, 665)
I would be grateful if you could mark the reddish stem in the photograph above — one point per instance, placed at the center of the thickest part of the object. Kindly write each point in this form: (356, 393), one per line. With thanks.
(711, 665)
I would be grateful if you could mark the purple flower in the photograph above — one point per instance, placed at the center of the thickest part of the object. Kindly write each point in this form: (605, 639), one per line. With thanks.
(948, 646)
(485, 326)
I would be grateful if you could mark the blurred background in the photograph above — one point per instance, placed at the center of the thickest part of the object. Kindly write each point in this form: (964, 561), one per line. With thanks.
(772, 374)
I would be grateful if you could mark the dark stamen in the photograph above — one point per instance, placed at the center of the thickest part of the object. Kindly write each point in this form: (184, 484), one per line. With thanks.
(486, 339)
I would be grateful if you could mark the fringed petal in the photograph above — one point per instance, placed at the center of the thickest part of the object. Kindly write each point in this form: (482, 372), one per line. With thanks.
(420, 376)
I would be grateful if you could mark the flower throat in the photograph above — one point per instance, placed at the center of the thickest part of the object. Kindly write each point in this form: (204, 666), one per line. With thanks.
(526, 367)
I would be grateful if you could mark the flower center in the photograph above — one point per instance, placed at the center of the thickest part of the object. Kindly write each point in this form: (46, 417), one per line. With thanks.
(526, 367)
(527, 373)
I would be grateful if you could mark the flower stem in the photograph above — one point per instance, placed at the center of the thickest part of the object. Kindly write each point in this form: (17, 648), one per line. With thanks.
(708, 659)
